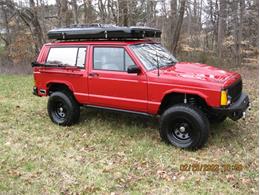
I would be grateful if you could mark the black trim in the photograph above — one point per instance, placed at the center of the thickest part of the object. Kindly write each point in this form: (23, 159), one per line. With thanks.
(35, 91)
(77, 55)
(37, 64)
(120, 110)
(233, 84)
(235, 90)
(236, 109)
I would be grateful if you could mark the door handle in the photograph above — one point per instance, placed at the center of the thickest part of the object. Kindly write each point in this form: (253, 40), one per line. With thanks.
(93, 74)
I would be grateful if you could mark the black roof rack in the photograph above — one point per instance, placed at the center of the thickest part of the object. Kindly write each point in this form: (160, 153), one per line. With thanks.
(103, 31)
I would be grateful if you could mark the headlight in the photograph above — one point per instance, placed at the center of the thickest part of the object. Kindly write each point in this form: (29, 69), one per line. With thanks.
(224, 98)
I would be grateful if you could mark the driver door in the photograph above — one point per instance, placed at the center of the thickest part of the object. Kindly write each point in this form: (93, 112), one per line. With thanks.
(109, 83)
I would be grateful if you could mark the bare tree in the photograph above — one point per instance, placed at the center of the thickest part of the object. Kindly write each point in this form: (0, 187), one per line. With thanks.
(221, 28)
(151, 13)
(133, 10)
(89, 15)
(176, 34)
(63, 12)
(75, 11)
(35, 26)
(30, 18)
(122, 12)
(239, 6)
(102, 8)
(7, 37)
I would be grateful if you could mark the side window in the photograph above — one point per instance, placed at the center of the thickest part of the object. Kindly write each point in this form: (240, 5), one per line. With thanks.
(110, 58)
(81, 57)
(67, 56)
(128, 61)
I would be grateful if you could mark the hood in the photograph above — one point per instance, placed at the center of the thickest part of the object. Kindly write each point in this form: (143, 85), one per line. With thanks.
(199, 72)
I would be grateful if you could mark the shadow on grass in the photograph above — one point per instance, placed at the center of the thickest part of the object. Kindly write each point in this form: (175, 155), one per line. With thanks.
(120, 120)
(228, 133)
(132, 125)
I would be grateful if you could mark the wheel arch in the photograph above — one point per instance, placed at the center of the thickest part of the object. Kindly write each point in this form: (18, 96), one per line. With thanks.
(58, 86)
(175, 97)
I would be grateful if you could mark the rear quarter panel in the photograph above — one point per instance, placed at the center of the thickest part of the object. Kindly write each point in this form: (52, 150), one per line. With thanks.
(74, 78)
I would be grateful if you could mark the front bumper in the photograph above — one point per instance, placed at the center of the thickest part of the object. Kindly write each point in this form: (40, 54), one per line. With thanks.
(237, 109)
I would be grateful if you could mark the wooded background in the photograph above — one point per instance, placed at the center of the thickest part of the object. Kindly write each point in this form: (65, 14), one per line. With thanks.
(217, 32)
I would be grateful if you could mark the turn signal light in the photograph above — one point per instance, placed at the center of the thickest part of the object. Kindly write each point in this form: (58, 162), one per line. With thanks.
(224, 98)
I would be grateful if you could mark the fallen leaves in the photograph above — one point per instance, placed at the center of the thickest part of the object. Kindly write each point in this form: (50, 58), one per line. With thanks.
(230, 177)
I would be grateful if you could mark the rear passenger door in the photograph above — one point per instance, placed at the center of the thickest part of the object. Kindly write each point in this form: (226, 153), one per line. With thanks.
(67, 65)
(109, 83)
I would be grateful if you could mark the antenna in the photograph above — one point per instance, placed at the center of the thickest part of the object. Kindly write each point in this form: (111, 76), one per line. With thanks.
(158, 66)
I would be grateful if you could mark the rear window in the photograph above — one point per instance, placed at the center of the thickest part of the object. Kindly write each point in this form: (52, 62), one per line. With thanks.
(67, 56)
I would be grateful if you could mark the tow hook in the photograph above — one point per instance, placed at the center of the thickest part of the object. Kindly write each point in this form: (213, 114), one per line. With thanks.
(249, 107)
(244, 115)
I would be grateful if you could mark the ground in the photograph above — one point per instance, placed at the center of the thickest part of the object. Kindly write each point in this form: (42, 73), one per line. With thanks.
(108, 153)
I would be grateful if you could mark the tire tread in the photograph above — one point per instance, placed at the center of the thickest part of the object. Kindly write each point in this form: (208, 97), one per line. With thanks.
(197, 114)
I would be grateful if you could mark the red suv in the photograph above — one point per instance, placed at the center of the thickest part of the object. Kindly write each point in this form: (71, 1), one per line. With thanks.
(132, 74)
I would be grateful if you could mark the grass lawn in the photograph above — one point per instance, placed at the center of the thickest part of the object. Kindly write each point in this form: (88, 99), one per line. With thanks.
(108, 153)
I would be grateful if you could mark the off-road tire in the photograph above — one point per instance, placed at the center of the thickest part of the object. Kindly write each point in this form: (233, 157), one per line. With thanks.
(63, 101)
(190, 118)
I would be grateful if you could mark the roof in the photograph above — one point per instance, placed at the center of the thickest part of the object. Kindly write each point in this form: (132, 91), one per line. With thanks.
(101, 42)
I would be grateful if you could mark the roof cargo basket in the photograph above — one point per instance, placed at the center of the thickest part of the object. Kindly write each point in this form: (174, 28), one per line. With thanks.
(103, 31)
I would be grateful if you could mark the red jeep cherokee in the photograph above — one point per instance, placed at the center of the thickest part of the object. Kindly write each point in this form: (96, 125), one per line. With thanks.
(130, 74)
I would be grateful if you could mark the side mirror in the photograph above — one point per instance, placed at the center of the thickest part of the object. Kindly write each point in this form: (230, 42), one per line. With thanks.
(133, 69)
(35, 63)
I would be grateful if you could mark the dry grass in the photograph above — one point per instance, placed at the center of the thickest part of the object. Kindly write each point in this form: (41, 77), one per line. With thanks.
(111, 153)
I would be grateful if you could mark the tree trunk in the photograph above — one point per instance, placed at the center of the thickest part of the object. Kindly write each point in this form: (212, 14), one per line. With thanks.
(221, 29)
(123, 12)
(189, 22)
(102, 11)
(85, 12)
(89, 15)
(177, 30)
(132, 19)
(63, 13)
(75, 11)
(238, 25)
(150, 18)
(240, 30)
(173, 15)
(7, 38)
(36, 28)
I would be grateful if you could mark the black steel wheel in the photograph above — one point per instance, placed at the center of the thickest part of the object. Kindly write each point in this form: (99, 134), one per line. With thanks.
(184, 126)
(182, 130)
(60, 110)
(63, 108)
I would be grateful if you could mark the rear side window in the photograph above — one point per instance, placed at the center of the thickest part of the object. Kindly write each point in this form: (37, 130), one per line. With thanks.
(67, 56)
(111, 58)
(81, 57)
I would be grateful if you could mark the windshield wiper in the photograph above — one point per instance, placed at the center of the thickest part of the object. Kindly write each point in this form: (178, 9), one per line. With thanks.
(170, 64)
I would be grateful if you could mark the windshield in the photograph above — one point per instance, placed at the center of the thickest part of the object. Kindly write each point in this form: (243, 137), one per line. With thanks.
(153, 54)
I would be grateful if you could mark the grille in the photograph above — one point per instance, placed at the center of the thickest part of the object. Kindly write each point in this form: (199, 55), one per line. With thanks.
(234, 90)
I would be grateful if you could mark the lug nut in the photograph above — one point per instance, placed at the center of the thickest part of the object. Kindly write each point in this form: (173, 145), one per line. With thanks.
(182, 129)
